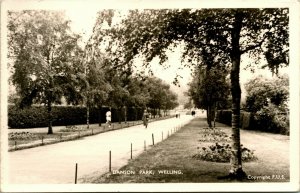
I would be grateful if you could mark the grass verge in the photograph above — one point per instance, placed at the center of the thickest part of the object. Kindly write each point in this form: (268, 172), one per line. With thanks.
(171, 161)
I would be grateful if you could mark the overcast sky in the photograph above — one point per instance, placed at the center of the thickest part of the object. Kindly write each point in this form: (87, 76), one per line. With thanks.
(83, 17)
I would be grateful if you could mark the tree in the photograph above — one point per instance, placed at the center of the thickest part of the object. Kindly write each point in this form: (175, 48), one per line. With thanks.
(262, 91)
(209, 90)
(228, 32)
(161, 97)
(44, 54)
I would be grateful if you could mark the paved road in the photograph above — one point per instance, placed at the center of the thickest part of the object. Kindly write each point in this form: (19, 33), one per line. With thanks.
(55, 164)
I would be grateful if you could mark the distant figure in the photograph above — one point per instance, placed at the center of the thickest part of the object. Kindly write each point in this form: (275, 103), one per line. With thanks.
(176, 114)
(108, 118)
(193, 113)
(145, 118)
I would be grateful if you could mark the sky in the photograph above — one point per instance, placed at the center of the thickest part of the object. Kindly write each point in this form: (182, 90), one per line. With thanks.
(83, 17)
(83, 23)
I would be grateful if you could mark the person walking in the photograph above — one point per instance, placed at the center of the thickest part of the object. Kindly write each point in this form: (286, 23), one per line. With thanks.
(145, 118)
(108, 118)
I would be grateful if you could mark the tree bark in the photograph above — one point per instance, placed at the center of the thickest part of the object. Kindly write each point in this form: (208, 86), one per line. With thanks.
(49, 108)
(208, 114)
(100, 114)
(119, 115)
(236, 170)
(125, 114)
(88, 116)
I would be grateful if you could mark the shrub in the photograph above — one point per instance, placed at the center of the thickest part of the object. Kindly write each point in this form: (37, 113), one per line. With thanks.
(214, 135)
(271, 119)
(21, 136)
(37, 116)
(222, 153)
(73, 128)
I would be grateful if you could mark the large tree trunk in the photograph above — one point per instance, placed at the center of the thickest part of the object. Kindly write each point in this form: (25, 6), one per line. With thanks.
(119, 115)
(125, 114)
(100, 114)
(208, 115)
(135, 113)
(49, 109)
(88, 116)
(236, 170)
(215, 113)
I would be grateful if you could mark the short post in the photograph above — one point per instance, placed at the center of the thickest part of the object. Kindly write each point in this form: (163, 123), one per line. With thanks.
(109, 167)
(144, 145)
(131, 151)
(61, 136)
(92, 131)
(76, 168)
(42, 140)
(152, 139)
(15, 145)
(113, 126)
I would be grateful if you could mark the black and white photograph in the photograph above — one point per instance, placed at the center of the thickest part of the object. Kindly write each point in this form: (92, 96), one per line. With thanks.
(148, 96)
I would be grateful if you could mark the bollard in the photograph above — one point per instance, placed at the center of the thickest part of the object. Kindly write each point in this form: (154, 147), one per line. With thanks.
(76, 167)
(109, 161)
(15, 144)
(152, 139)
(92, 131)
(42, 140)
(131, 151)
(144, 145)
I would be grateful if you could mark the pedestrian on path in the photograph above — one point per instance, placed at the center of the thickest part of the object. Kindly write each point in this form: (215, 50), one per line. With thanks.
(145, 118)
(108, 118)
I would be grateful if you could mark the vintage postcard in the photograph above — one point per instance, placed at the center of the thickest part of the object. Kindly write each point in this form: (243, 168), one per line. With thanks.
(148, 96)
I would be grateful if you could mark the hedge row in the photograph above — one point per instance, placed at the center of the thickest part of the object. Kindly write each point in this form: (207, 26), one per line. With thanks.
(246, 118)
(247, 121)
(37, 116)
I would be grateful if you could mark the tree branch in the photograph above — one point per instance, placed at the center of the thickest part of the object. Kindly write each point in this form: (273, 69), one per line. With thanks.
(253, 46)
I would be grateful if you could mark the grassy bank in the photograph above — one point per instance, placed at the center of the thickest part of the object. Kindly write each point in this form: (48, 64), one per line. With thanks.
(172, 160)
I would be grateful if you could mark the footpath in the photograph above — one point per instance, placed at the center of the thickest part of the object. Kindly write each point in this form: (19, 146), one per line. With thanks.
(56, 163)
(35, 137)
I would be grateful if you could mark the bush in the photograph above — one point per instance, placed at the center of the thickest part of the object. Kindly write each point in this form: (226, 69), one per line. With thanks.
(212, 134)
(21, 136)
(222, 153)
(271, 119)
(37, 116)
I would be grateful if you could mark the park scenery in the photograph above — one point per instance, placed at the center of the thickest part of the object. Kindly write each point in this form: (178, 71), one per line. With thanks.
(193, 95)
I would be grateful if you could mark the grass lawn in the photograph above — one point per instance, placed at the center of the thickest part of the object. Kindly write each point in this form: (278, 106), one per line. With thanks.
(175, 155)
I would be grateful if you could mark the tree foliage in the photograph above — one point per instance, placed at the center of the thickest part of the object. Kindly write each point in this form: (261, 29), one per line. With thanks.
(44, 54)
(262, 91)
(226, 33)
(210, 90)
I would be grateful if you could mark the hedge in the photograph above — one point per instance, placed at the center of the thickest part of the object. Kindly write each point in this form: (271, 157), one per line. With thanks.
(37, 116)
(247, 121)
